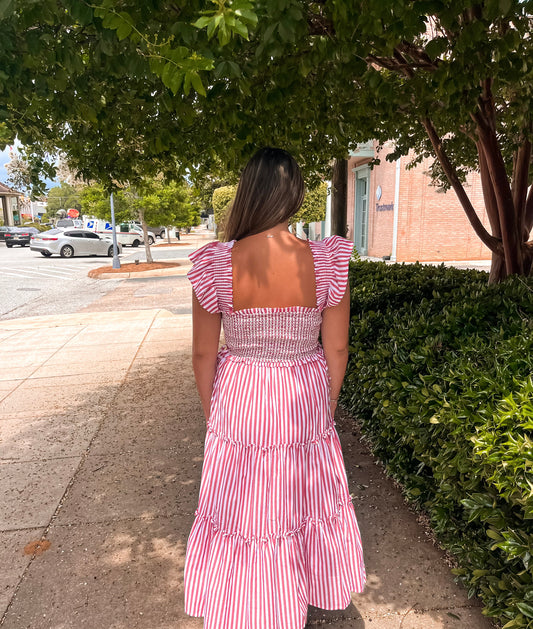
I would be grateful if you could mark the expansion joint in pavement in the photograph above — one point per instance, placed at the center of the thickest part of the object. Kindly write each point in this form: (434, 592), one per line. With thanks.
(80, 464)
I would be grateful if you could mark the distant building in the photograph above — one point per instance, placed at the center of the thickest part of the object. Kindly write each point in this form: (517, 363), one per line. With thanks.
(9, 202)
(394, 211)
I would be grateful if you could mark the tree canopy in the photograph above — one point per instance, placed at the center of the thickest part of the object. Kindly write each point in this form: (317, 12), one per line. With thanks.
(63, 196)
(144, 87)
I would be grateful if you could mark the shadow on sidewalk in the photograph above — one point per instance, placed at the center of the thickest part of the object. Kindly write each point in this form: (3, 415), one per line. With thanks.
(108, 467)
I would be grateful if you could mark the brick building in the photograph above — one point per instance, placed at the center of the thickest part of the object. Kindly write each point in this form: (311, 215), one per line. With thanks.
(396, 212)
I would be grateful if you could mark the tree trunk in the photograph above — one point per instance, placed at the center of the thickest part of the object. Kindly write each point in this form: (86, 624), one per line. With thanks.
(147, 250)
(509, 215)
(497, 269)
(339, 198)
(509, 209)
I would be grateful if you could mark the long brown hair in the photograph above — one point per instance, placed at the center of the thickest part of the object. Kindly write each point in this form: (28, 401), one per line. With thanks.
(271, 190)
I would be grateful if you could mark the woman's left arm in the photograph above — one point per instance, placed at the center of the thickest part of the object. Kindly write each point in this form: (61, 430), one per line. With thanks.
(205, 339)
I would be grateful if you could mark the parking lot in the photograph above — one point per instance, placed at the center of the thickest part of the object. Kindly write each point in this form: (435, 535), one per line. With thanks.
(31, 285)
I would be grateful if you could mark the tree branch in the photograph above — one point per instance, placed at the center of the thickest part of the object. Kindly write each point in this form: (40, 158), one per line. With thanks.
(521, 165)
(395, 65)
(528, 221)
(418, 54)
(491, 204)
(494, 244)
(511, 235)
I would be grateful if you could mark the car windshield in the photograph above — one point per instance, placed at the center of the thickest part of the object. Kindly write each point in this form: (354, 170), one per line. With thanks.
(52, 231)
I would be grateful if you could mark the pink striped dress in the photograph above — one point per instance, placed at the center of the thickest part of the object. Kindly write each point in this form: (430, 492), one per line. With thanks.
(275, 529)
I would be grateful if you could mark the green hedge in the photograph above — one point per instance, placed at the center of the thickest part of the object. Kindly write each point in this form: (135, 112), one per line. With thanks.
(440, 376)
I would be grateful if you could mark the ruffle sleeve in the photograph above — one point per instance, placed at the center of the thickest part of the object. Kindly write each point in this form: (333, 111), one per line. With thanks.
(340, 251)
(202, 276)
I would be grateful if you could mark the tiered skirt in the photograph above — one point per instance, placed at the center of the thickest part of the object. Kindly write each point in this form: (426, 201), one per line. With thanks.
(275, 529)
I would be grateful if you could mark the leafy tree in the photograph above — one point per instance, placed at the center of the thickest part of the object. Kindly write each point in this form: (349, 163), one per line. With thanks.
(170, 204)
(94, 200)
(450, 79)
(154, 203)
(203, 188)
(18, 172)
(63, 196)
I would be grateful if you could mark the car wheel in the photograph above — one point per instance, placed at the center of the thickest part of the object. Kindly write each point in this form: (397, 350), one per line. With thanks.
(67, 251)
(110, 252)
(46, 254)
(23, 244)
(8, 245)
(150, 240)
(135, 243)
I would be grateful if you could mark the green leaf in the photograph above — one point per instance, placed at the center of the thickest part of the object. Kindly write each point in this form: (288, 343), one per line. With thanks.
(241, 29)
(81, 12)
(124, 30)
(526, 609)
(494, 534)
(197, 83)
(6, 6)
(204, 21)
(505, 6)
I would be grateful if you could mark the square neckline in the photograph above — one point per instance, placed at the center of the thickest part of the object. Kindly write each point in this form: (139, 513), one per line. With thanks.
(316, 308)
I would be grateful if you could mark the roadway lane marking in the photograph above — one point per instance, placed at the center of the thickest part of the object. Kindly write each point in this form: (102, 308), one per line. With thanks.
(31, 275)
(40, 267)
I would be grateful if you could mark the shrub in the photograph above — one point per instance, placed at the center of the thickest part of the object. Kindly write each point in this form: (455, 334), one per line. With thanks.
(440, 377)
(38, 226)
(313, 206)
(222, 197)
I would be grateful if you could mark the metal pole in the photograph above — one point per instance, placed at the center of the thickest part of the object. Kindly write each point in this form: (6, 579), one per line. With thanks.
(396, 210)
(116, 261)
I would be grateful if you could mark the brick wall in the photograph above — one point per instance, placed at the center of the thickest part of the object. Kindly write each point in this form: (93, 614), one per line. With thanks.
(432, 225)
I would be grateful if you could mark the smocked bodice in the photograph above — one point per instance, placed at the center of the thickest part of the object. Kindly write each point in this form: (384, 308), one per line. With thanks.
(272, 334)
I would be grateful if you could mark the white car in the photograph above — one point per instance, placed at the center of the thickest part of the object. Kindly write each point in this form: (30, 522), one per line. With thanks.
(72, 242)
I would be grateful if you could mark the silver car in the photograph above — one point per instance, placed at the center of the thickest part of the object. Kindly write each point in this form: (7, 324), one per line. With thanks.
(72, 242)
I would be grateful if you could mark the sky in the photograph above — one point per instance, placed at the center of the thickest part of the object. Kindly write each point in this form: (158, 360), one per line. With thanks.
(4, 158)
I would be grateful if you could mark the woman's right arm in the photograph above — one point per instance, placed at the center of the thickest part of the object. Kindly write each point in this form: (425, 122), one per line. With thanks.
(334, 333)
(205, 339)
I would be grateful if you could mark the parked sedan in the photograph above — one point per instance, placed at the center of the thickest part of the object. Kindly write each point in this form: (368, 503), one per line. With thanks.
(73, 242)
(19, 236)
(4, 229)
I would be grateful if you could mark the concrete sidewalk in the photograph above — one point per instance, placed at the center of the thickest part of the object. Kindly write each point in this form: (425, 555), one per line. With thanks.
(101, 441)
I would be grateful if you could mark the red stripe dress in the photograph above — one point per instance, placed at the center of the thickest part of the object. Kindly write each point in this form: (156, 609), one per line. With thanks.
(275, 529)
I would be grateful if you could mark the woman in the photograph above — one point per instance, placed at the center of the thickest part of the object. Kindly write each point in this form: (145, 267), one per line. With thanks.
(275, 530)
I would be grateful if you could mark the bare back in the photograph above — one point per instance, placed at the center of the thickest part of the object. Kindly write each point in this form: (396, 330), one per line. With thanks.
(273, 272)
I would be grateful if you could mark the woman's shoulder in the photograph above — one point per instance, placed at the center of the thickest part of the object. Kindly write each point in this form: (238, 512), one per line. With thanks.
(337, 244)
(334, 248)
(206, 252)
(336, 253)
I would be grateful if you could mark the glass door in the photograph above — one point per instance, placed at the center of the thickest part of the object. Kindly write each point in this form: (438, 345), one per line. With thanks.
(362, 184)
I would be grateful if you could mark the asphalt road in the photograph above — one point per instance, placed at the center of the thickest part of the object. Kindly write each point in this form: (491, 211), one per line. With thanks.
(31, 285)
